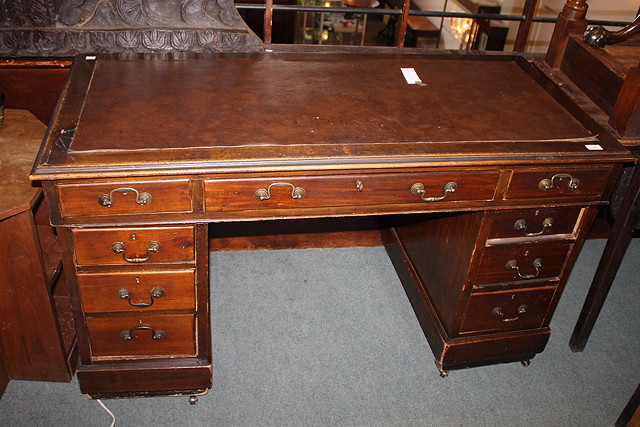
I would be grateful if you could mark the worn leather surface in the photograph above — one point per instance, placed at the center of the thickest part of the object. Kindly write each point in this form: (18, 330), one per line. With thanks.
(332, 99)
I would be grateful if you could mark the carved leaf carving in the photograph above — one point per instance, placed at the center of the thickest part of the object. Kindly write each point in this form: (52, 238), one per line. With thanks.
(39, 13)
(102, 41)
(134, 12)
(232, 41)
(209, 39)
(77, 41)
(154, 40)
(182, 40)
(15, 13)
(128, 40)
(17, 40)
(46, 42)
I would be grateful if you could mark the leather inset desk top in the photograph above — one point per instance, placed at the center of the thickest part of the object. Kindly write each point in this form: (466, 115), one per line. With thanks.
(312, 111)
(246, 101)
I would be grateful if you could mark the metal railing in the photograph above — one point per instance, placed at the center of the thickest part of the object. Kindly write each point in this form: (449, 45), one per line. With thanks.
(526, 19)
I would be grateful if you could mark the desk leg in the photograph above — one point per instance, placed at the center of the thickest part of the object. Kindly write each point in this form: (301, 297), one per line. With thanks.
(625, 223)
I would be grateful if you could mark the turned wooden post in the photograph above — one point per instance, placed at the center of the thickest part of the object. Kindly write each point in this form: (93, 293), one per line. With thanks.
(570, 21)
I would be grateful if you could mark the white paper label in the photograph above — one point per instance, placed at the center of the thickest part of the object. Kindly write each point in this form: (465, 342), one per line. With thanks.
(410, 76)
(593, 147)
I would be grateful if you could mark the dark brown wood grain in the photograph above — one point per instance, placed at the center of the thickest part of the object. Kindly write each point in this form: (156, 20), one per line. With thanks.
(552, 256)
(107, 343)
(93, 246)
(34, 86)
(99, 291)
(31, 343)
(509, 225)
(250, 160)
(444, 270)
(480, 315)
(605, 77)
(131, 379)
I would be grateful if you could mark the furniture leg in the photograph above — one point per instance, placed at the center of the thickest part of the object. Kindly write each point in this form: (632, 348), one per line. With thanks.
(625, 223)
(630, 416)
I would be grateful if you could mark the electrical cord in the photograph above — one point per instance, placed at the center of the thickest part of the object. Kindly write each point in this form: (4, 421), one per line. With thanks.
(113, 417)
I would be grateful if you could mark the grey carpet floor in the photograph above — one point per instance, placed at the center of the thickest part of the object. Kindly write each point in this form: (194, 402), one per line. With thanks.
(326, 337)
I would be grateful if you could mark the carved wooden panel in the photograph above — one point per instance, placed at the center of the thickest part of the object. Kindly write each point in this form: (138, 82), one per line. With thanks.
(67, 27)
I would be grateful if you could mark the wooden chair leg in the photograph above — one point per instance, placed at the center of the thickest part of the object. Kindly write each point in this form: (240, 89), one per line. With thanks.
(625, 223)
(630, 416)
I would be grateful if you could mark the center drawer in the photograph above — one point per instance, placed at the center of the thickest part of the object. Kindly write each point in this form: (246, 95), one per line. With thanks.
(168, 335)
(302, 192)
(127, 246)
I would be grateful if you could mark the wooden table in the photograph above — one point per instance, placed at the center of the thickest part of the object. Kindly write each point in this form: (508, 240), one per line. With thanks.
(37, 338)
(482, 181)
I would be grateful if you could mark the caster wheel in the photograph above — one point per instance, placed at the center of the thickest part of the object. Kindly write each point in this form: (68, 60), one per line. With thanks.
(444, 374)
(193, 400)
(525, 363)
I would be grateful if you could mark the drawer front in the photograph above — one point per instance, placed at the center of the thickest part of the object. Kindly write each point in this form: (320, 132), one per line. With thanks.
(158, 335)
(125, 197)
(522, 263)
(534, 223)
(121, 292)
(133, 246)
(352, 190)
(586, 183)
(507, 311)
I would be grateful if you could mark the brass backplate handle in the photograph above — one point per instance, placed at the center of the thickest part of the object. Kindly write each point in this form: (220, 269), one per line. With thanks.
(548, 184)
(119, 248)
(418, 188)
(141, 198)
(513, 265)
(156, 292)
(265, 193)
(497, 312)
(521, 225)
(155, 334)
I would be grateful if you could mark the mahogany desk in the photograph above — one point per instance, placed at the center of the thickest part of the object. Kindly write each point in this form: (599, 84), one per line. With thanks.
(484, 180)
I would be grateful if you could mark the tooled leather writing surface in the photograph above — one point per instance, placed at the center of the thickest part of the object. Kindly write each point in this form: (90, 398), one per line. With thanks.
(278, 101)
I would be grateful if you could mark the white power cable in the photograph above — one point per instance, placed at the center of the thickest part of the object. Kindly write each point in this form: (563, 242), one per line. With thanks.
(113, 417)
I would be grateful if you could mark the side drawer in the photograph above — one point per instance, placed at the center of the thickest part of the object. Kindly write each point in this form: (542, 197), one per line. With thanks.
(586, 183)
(125, 197)
(522, 263)
(534, 223)
(167, 335)
(143, 290)
(127, 246)
(507, 311)
(304, 192)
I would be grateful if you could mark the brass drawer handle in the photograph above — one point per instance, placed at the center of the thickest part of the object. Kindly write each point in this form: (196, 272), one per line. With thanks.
(156, 292)
(141, 198)
(265, 193)
(548, 184)
(156, 335)
(521, 225)
(118, 248)
(497, 312)
(418, 188)
(513, 265)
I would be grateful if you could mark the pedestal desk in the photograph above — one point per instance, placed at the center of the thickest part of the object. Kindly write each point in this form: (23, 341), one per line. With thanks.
(483, 179)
